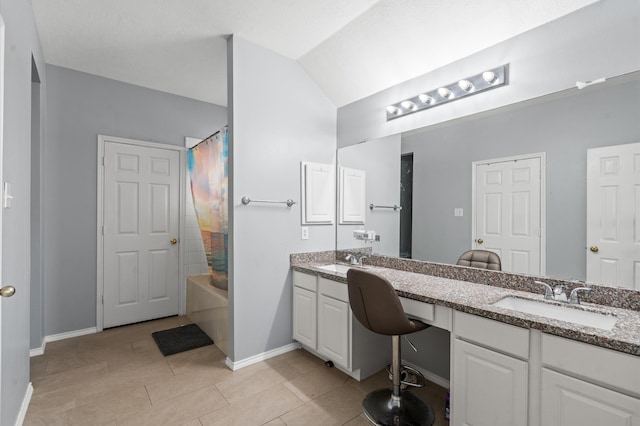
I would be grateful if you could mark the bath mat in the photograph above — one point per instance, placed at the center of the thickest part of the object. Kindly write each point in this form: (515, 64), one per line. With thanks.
(181, 339)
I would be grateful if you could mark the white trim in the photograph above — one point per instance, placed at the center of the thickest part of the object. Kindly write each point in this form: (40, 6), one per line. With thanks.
(70, 334)
(543, 200)
(100, 221)
(432, 377)
(38, 351)
(25, 405)
(261, 357)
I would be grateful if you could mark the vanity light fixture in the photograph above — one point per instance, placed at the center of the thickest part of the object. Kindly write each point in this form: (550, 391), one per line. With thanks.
(489, 79)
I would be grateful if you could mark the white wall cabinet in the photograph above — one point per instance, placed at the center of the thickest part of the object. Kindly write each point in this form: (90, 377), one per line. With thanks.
(318, 193)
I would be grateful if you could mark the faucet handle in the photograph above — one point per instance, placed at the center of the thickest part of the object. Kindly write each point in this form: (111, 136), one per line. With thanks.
(574, 298)
(548, 291)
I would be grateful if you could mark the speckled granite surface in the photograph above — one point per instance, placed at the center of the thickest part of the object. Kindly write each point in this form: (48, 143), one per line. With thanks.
(454, 287)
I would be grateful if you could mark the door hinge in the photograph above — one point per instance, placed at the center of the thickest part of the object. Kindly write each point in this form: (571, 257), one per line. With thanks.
(102, 161)
(103, 299)
(102, 230)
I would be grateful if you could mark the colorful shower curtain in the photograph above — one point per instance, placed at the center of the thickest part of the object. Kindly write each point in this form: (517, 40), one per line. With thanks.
(208, 170)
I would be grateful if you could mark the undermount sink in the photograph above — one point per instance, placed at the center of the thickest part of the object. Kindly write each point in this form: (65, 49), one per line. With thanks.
(558, 312)
(336, 268)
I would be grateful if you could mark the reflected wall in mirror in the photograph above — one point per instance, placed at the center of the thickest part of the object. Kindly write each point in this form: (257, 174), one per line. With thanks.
(380, 161)
(563, 125)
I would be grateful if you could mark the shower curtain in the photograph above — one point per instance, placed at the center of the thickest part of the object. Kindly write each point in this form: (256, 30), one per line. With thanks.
(208, 171)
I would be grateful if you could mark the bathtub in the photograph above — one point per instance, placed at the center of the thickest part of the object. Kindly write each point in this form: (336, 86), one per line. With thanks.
(208, 307)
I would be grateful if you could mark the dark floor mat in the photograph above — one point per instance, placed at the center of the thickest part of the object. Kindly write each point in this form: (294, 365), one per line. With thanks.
(181, 339)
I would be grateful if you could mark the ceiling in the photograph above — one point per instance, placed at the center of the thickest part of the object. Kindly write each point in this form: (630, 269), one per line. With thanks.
(351, 48)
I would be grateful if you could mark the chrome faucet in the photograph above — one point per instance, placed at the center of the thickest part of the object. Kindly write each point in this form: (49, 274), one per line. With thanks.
(574, 297)
(559, 294)
(354, 259)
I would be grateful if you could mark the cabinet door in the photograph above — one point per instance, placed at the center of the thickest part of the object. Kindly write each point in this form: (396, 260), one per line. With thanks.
(567, 401)
(333, 330)
(489, 389)
(304, 316)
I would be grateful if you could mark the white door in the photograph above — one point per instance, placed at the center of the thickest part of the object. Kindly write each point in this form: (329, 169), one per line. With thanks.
(305, 306)
(1, 175)
(613, 215)
(508, 212)
(140, 211)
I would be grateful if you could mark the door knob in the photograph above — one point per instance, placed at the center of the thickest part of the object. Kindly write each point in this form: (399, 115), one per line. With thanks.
(479, 241)
(7, 291)
(173, 241)
(594, 249)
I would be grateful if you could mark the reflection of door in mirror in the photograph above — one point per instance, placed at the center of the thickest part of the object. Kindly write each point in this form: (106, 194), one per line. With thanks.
(406, 201)
(507, 219)
(613, 215)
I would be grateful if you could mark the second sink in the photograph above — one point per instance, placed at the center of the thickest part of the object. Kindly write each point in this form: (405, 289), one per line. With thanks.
(336, 268)
(556, 312)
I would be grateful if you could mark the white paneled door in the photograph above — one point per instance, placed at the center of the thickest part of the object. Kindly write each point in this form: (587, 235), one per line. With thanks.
(613, 215)
(508, 212)
(140, 214)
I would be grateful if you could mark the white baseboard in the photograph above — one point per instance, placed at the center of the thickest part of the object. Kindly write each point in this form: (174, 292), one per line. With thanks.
(434, 378)
(236, 365)
(70, 334)
(25, 405)
(38, 351)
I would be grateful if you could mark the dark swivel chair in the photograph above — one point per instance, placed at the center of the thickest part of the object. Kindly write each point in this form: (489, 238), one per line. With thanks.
(482, 259)
(376, 305)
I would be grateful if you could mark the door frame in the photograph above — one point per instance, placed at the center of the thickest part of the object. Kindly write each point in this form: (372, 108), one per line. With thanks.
(543, 199)
(182, 289)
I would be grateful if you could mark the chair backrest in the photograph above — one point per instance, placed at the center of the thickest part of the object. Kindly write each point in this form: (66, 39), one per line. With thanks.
(482, 259)
(376, 305)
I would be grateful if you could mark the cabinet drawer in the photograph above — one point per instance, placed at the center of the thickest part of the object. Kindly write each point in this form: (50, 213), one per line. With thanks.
(418, 310)
(305, 281)
(494, 334)
(610, 368)
(333, 289)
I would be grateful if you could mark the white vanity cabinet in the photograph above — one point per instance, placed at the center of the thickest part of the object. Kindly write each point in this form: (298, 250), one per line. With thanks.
(489, 372)
(305, 307)
(585, 385)
(334, 322)
(324, 324)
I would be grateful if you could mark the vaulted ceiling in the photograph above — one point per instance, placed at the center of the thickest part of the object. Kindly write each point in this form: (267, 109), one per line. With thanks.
(351, 48)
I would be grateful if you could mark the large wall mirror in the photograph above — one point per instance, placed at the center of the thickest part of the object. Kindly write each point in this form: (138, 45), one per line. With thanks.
(564, 127)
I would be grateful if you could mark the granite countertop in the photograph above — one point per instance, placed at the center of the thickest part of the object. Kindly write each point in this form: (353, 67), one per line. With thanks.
(477, 299)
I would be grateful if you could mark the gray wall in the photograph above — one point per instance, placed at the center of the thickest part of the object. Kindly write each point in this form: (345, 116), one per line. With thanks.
(37, 318)
(278, 118)
(562, 127)
(21, 43)
(601, 40)
(380, 161)
(79, 107)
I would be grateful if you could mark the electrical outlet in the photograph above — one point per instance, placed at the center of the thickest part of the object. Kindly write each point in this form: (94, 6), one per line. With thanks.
(457, 211)
(305, 232)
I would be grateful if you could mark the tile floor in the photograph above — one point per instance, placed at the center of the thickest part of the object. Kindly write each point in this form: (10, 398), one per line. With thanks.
(119, 377)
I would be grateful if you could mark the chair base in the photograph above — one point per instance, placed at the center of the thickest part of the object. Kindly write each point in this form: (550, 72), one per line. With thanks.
(380, 409)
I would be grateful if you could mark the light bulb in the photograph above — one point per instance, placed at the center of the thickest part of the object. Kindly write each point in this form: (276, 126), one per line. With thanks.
(445, 93)
(465, 85)
(490, 77)
(408, 105)
(425, 99)
(393, 110)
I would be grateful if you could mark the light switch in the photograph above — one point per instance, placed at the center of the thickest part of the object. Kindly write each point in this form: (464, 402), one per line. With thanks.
(457, 211)
(6, 195)
(305, 232)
